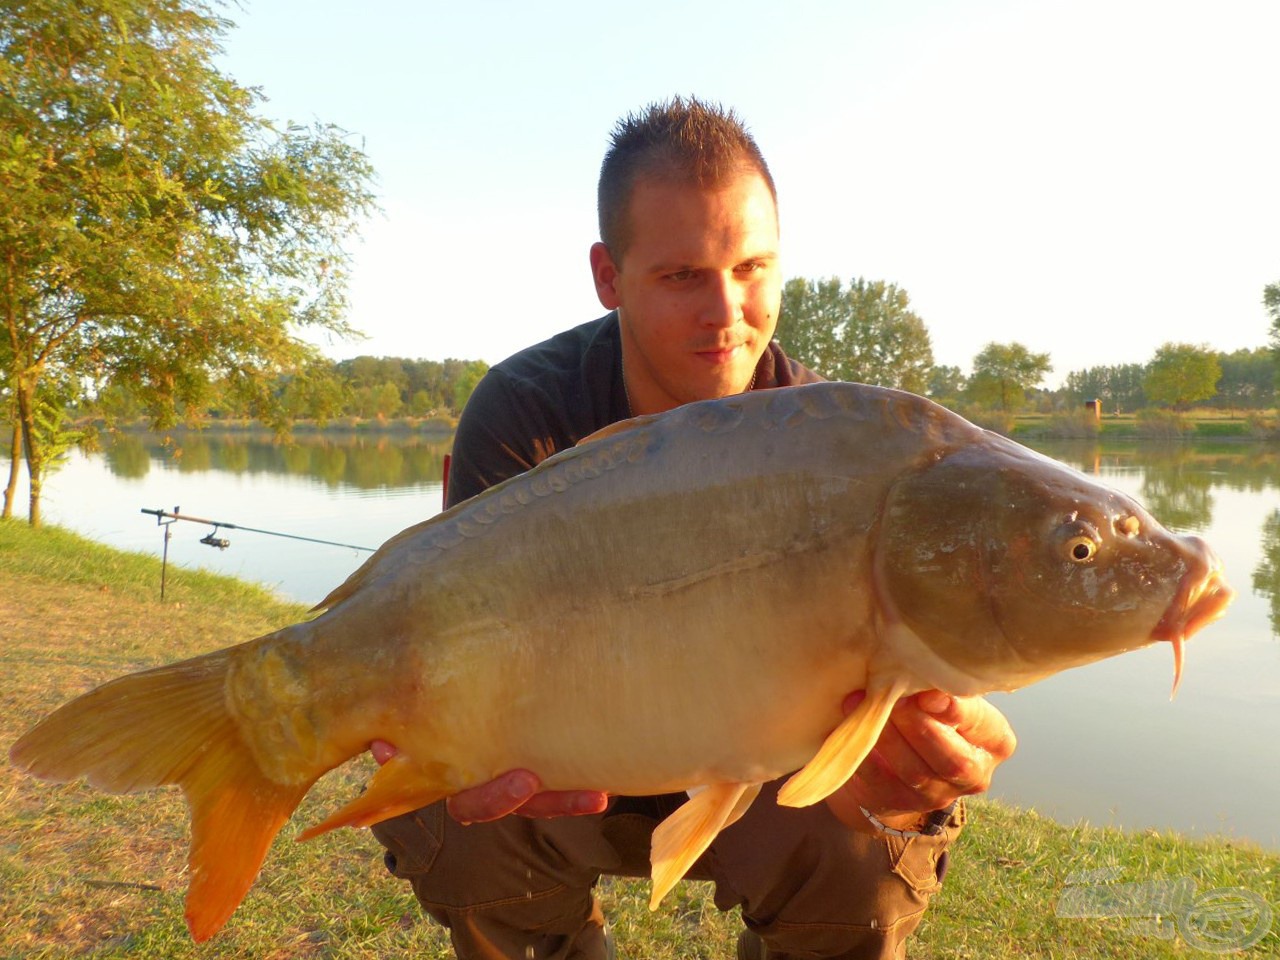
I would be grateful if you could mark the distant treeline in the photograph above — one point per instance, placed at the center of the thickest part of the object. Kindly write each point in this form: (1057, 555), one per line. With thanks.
(865, 330)
(385, 388)
(367, 388)
(1247, 382)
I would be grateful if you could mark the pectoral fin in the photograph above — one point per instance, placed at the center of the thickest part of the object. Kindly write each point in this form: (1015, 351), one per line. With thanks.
(842, 751)
(681, 838)
(400, 785)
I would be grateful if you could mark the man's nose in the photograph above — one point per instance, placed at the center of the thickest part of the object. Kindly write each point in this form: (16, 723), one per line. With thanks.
(723, 304)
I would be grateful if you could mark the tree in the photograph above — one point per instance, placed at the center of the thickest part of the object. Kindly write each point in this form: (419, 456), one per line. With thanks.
(1180, 374)
(1003, 373)
(466, 381)
(317, 392)
(866, 333)
(945, 384)
(1248, 380)
(1119, 387)
(1271, 300)
(9, 416)
(156, 234)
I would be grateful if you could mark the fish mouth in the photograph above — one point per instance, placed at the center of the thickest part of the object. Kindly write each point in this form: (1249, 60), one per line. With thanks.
(1203, 596)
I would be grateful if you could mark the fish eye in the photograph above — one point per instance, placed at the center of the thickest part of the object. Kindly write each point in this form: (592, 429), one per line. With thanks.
(1081, 549)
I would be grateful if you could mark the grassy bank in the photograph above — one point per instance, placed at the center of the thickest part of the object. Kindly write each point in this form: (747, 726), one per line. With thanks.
(82, 872)
(1157, 425)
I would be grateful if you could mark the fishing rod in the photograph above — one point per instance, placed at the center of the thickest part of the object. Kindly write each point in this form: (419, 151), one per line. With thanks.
(222, 543)
(166, 518)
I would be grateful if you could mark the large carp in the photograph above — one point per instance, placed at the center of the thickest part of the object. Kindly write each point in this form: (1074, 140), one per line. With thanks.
(704, 585)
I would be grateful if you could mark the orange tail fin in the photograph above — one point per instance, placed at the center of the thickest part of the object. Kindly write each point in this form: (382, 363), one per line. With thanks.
(171, 726)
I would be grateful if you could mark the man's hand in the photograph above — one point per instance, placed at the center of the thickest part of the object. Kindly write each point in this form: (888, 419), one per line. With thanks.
(516, 791)
(934, 749)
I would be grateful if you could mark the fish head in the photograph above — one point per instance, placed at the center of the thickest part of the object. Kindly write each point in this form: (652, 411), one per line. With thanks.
(1010, 567)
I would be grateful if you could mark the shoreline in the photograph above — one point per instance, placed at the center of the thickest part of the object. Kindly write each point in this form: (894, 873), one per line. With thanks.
(1152, 426)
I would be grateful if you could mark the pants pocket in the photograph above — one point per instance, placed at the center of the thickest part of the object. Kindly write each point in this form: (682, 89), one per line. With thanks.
(412, 840)
(922, 861)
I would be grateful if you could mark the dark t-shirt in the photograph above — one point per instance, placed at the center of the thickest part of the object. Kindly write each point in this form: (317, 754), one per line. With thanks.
(549, 396)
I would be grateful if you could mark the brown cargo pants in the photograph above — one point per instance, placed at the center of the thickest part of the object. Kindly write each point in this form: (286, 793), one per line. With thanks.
(521, 889)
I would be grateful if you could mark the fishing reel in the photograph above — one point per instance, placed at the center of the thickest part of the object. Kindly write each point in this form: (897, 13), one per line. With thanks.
(213, 540)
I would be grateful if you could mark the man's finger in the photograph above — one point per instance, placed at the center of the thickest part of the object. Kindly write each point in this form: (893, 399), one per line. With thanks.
(497, 798)
(382, 751)
(960, 740)
(973, 718)
(564, 803)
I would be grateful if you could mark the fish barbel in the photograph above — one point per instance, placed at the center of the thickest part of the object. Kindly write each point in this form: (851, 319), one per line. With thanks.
(706, 585)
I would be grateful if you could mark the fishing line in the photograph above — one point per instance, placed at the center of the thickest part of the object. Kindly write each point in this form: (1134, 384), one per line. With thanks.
(166, 519)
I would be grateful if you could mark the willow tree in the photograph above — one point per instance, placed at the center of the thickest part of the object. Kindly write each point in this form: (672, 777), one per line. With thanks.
(156, 234)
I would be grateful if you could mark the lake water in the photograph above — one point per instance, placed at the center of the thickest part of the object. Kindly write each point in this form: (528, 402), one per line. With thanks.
(1101, 743)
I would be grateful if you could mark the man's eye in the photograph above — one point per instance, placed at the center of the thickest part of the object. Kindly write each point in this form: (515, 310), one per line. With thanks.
(680, 275)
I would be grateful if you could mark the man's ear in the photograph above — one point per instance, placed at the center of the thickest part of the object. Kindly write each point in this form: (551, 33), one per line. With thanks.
(605, 274)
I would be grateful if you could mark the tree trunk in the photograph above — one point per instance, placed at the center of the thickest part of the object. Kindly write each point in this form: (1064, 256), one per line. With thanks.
(15, 454)
(26, 391)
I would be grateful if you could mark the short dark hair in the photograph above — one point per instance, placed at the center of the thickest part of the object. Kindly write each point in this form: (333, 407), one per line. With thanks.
(681, 140)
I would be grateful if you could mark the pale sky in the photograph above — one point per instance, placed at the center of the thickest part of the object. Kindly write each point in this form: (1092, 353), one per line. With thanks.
(1089, 178)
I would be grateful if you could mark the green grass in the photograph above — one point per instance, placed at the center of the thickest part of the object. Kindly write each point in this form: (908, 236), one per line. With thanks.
(85, 873)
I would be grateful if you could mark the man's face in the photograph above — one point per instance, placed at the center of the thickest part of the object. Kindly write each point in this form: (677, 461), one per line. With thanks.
(697, 290)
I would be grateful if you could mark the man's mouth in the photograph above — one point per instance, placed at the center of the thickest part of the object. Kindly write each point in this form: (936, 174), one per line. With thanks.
(719, 355)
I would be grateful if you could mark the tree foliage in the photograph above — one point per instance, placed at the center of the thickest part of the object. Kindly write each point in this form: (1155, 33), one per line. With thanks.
(1248, 380)
(945, 384)
(1180, 374)
(423, 386)
(324, 390)
(1003, 373)
(1119, 387)
(1271, 300)
(865, 333)
(156, 234)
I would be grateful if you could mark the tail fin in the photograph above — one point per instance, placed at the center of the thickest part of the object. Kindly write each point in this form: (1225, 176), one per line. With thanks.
(171, 726)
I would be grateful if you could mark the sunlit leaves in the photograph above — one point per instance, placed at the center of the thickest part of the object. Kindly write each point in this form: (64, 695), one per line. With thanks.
(1003, 373)
(157, 235)
(865, 332)
(1181, 374)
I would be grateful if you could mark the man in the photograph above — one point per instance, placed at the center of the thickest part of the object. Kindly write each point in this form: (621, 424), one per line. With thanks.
(688, 266)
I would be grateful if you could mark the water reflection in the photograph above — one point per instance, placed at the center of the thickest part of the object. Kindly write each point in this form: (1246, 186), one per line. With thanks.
(127, 456)
(358, 460)
(1177, 480)
(1177, 491)
(1266, 578)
